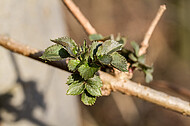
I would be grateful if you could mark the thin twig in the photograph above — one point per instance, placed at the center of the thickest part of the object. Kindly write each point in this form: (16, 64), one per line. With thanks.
(144, 44)
(79, 17)
(127, 87)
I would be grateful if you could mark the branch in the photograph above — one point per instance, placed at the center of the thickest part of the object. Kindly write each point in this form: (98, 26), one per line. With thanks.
(127, 87)
(11, 45)
(144, 44)
(162, 99)
(79, 16)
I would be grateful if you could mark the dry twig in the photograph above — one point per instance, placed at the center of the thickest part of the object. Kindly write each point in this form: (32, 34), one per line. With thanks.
(79, 17)
(144, 44)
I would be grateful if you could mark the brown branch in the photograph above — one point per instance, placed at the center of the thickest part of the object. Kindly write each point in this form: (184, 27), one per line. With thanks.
(79, 16)
(13, 46)
(144, 44)
(132, 88)
(127, 87)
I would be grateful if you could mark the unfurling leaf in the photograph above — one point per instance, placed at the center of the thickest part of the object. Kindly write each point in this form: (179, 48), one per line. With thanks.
(72, 64)
(105, 59)
(132, 57)
(135, 47)
(88, 99)
(108, 47)
(76, 88)
(121, 40)
(87, 71)
(55, 53)
(69, 45)
(94, 48)
(119, 62)
(94, 37)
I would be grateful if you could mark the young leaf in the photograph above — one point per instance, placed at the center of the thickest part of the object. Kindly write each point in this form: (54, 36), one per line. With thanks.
(94, 37)
(94, 48)
(141, 59)
(132, 57)
(87, 71)
(148, 77)
(121, 40)
(95, 80)
(74, 78)
(119, 62)
(93, 89)
(76, 88)
(135, 47)
(69, 44)
(72, 64)
(105, 59)
(88, 99)
(108, 47)
(93, 86)
(55, 53)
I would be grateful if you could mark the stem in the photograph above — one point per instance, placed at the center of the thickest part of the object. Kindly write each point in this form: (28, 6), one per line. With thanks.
(79, 17)
(145, 42)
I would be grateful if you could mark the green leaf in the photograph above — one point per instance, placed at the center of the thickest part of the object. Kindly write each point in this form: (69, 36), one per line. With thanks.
(141, 59)
(108, 47)
(76, 88)
(95, 80)
(87, 71)
(69, 45)
(88, 99)
(94, 48)
(72, 64)
(55, 53)
(135, 47)
(105, 59)
(119, 62)
(93, 89)
(93, 86)
(74, 78)
(94, 37)
(121, 40)
(148, 77)
(132, 57)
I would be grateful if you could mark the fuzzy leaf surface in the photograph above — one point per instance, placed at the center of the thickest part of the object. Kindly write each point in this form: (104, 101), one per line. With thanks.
(87, 71)
(69, 45)
(119, 62)
(55, 53)
(105, 59)
(76, 88)
(72, 64)
(93, 86)
(88, 99)
(108, 47)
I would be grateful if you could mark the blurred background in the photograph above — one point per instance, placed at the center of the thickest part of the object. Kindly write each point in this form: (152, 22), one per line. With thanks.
(34, 94)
